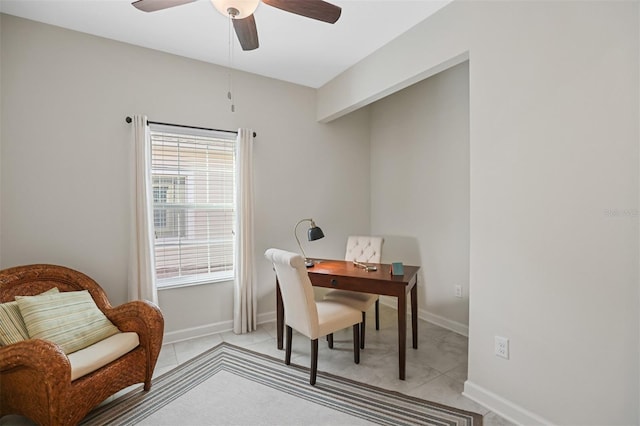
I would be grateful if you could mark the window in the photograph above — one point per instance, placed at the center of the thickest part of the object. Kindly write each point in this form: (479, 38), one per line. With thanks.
(193, 204)
(169, 191)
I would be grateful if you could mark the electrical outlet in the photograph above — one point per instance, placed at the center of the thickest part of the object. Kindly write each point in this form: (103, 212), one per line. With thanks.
(502, 347)
(458, 291)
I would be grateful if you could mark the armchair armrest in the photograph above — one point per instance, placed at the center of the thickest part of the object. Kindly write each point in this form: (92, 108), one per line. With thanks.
(45, 359)
(37, 354)
(144, 318)
(140, 316)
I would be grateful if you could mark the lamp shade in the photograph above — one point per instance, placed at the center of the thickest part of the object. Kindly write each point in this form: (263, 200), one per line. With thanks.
(314, 233)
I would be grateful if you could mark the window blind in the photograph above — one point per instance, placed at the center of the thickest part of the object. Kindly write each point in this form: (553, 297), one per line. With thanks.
(193, 204)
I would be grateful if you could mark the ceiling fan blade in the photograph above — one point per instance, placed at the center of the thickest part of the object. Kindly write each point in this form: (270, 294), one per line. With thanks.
(314, 9)
(153, 5)
(247, 32)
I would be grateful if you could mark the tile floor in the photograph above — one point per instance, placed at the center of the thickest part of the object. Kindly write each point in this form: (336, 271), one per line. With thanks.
(436, 371)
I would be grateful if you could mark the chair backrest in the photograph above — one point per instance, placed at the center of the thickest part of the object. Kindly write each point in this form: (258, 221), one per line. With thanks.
(301, 312)
(364, 249)
(29, 280)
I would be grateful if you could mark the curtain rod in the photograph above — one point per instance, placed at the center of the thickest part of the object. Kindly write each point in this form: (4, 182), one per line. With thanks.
(129, 120)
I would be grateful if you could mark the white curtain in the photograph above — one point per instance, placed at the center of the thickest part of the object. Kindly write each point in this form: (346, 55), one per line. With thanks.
(141, 259)
(245, 300)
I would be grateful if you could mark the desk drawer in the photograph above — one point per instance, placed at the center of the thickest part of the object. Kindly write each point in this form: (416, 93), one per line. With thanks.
(324, 280)
(389, 288)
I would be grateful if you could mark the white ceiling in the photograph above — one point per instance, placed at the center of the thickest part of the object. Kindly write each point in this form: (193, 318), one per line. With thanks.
(292, 48)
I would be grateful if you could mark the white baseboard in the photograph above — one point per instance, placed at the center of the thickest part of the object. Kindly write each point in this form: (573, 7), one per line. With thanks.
(501, 406)
(443, 322)
(224, 326)
(209, 329)
(268, 317)
(195, 332)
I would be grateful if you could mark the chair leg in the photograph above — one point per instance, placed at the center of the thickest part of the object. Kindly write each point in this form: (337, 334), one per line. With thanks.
(330, 340)
(287, 356)
(314, 362)
(356, 343)
(363, 326)
(378, 314)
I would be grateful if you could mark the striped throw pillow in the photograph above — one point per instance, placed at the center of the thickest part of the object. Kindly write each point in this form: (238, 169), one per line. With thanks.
(70, 319)
(12, 328)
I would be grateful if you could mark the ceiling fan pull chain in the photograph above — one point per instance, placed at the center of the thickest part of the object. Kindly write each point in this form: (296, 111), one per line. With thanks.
(229, 95)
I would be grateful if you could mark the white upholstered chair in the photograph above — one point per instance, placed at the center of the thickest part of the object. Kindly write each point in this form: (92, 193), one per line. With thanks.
(363, 249)
(305, 315)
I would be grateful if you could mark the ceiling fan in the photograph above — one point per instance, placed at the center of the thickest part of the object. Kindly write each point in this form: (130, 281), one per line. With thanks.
(241, 12)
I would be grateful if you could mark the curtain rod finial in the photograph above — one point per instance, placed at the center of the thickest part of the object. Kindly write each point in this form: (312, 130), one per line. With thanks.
(128, 120)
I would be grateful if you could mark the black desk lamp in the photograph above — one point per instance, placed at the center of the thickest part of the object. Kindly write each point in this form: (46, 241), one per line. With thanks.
(314, 233)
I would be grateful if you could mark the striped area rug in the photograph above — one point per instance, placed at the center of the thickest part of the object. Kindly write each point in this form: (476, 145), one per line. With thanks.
(363, 402)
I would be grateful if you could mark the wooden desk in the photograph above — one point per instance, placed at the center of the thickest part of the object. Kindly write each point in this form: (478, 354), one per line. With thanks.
(344, 275)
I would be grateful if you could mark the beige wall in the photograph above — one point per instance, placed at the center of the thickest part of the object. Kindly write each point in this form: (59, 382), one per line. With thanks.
(420, 189)
(65, 144)
(553, 169)
(554, 195)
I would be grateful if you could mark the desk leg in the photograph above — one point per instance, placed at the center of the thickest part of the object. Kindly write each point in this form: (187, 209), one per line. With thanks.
(402, 333)
(279, 315)
(414, 315)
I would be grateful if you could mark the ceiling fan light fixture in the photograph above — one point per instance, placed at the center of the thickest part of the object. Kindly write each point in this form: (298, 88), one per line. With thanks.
(239, 9)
